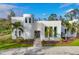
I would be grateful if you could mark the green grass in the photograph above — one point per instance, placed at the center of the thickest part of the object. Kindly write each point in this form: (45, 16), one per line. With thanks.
(5, 27)
(13, 45)
(74, 43)
(5, 36)
(7, 43)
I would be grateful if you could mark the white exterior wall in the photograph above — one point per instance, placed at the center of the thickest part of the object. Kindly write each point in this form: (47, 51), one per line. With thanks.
(48, 24)
(29, 28)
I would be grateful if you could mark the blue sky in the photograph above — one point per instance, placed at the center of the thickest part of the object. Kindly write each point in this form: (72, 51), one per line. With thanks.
(39, 10)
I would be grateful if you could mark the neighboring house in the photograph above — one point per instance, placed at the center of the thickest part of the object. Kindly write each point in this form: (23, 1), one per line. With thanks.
(36, 29)
(44, 30)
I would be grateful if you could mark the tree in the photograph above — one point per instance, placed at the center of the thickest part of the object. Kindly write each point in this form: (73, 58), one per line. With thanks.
(52, 17)
(76, 27)
(11, 14)
(61, 18)
(69, 16)
(17, 25)
(76, 13)
(68, 28)
(72, 14)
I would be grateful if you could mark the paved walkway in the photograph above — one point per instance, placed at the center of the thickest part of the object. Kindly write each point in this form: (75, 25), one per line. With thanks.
(64, 50)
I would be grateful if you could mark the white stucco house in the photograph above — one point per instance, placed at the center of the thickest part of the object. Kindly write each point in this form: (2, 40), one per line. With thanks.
(37, 29)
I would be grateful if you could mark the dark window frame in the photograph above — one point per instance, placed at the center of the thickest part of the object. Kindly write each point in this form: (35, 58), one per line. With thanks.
(30, 20)
(55, 31)
(25, 20)
(19, 33)
(46, 34)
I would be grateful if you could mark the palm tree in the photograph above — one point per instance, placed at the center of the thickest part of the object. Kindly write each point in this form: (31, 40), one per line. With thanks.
(67, 26)
(76, 26)
(17, 25)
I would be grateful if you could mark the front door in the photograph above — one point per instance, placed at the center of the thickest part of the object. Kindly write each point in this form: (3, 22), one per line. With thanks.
(37, 34)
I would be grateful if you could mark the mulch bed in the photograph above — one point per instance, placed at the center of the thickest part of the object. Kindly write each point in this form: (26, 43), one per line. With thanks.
(31, 41)
(49, 43)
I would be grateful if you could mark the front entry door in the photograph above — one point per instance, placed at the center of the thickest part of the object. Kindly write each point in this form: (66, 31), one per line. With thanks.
(37, 34)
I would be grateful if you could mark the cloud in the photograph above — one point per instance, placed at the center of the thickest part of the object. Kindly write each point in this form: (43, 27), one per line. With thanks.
(65, 5)
(6, 6)
(69, 10)
(4, 10)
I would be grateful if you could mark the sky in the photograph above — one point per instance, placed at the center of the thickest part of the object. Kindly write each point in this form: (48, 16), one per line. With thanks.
(39, 10)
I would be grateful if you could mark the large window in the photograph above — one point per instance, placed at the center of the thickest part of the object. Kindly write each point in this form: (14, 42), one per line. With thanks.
(25, 20)
(29, 20)
(48, 31)
(19, 33)
(55, 31)
(15, 33)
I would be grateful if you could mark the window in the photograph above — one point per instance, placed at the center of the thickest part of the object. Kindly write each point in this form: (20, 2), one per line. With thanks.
(15, 33)
(25, 20)
(55, 31)
(19, 33)
(65, 31)
(50, 31)
(46, 31)
(29, 20)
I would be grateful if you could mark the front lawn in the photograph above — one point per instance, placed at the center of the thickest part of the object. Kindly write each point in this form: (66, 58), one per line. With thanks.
(74, 42)
(13, 45)
(6, 43)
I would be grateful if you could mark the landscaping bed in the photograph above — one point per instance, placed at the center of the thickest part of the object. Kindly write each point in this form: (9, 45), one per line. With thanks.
(21, 41)
(49, 43)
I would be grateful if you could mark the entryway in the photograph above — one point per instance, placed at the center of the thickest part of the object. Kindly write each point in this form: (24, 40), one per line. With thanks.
(37, 42)
(37, 34)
